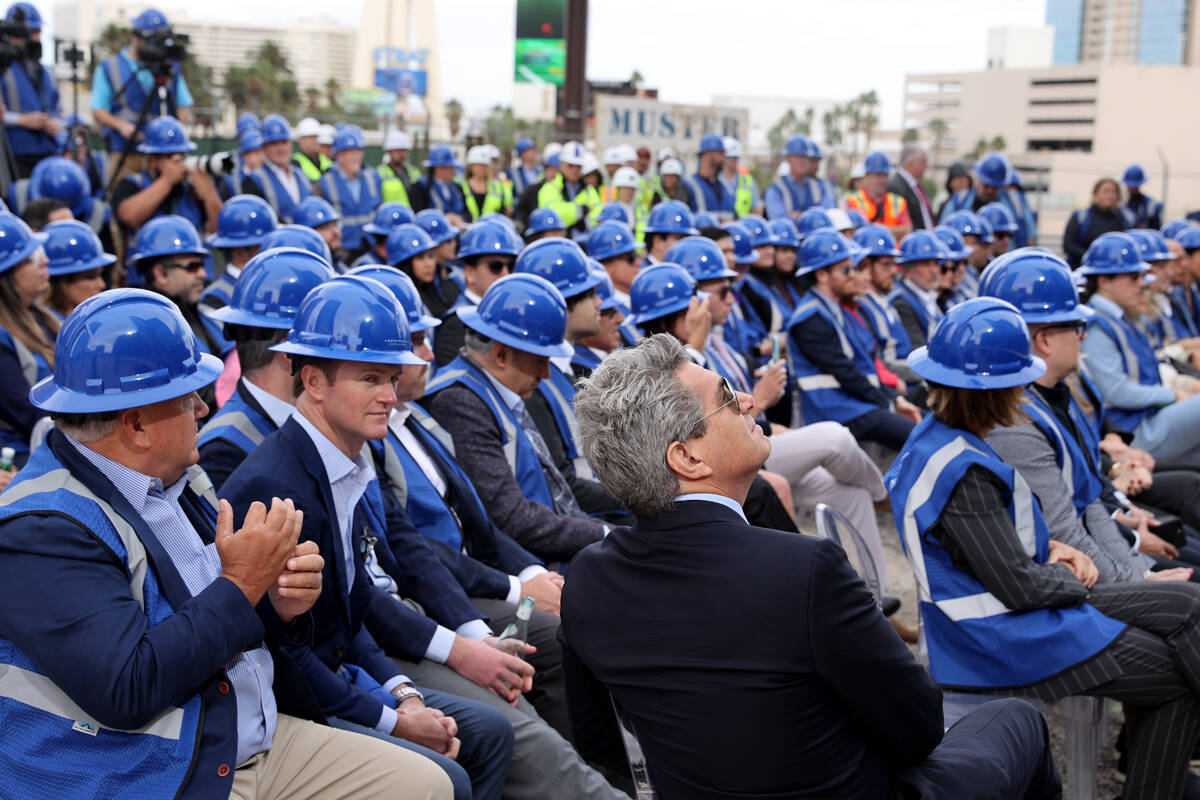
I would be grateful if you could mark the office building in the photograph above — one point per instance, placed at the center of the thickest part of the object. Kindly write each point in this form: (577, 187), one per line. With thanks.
(1157, 32)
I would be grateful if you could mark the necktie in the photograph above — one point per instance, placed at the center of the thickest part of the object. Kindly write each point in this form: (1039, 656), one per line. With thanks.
(564, 499)
(730, 363)
(926, 211)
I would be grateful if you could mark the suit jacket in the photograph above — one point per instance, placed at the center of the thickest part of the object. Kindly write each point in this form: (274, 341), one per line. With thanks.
(897, 185)
(750, 662)
(220, 457)
(287, 464)
(478, 444)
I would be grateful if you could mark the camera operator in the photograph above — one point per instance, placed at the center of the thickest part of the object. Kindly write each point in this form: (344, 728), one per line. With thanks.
(124, 83)
(32, 117)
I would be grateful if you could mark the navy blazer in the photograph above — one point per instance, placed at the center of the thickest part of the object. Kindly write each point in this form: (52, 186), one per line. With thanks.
(751, 662)
(220, 457)
(287, 465)
(68, 605)
(819, 343)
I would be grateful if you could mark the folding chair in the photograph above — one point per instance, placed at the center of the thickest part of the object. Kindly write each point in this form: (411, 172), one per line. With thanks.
(643, 790)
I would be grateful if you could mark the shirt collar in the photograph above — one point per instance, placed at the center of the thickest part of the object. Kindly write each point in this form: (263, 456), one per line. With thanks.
(275, 408)
(337, 465)
(474, 298)
(909, 179)
(563, 363)
(284, 172)
(510, 398)
(729, 503)
(927, 298)
(1102, 303)
(134, 486)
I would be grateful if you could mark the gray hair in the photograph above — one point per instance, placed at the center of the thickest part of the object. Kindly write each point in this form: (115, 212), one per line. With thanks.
(87, 428)
(910, 152)
(630, 410)
(475, 341)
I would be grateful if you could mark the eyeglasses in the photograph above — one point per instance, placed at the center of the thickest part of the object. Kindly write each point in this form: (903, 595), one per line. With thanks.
(1079, 327)
(498, 265)
(1003, 234)
(86, 275)
(630, 258)
(721, 293)
(727, 394)
(190, 266)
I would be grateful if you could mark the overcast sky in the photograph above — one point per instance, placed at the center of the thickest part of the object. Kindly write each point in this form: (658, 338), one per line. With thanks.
(693, 49)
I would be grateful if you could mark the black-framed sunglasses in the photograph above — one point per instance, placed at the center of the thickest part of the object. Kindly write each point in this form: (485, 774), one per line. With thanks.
(190, 266)
(498, 265)
(728, 396)
(1078, 326)
(1003, 234)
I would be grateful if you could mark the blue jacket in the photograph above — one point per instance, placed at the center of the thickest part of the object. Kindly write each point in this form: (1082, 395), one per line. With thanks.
(974, 639)
(785, 195)
(20, 95)
(709, 195)
(109, 654)
(335, 187)
(232, 434)
(822, 192)
(263, 183)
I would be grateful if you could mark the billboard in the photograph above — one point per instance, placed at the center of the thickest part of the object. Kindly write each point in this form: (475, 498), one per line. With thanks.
(401, 81)
(642, 121)
(540, 54)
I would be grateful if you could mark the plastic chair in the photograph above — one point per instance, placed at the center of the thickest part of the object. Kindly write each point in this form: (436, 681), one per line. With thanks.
(643, 790)
(832, 524)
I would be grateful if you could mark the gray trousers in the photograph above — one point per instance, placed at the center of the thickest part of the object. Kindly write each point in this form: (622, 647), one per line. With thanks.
(544, 765)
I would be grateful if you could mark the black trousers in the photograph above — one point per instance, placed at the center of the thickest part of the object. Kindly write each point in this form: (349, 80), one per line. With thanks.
(883, 426)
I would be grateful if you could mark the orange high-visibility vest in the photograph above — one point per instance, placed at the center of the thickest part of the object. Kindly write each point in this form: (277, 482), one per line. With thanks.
(893, 207)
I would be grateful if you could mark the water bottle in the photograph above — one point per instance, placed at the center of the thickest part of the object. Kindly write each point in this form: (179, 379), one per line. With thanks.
(519, 627)
(7, 454)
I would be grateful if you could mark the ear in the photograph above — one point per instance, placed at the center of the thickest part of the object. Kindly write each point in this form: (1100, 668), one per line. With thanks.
(158, 274)
(313, 379)
(686, 459)
(132, 426)
(502, 354)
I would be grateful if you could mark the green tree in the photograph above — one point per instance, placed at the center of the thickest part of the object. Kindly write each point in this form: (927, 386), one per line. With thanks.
(778, 134)
(938, 128)
(868, 103)
(265, 83)
(332, 87)
(312, 101)
(910, 136)
(997, 143)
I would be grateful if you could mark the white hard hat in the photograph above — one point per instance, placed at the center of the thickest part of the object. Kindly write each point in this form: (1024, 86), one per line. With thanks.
(590, 163)
(839, 218)
(479, 155)
(492, 151)
(672, 166)
(859, 170)
(326, 134)
(664, 153)
(612, 155)
(397, 140)
(733, 148)
(307, 127)
(553, 148)
(574, 153)
(626, 177)
(627, 153)
(783, 169)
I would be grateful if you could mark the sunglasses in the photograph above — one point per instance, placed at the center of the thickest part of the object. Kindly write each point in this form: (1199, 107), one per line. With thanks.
(190, 266)
(1003, 234)
(498, 265)
(727, 395)
(721, 293)
(1079, 327)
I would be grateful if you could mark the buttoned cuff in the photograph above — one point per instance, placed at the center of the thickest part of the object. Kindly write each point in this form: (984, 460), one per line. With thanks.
(475, 629)
(440, 645)
(387, 720)
(514, 590)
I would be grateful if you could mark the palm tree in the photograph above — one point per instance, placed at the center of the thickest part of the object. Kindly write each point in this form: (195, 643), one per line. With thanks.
(454, 113)
(869, 102)
(332, 87)
(113, 38)
(997, 143)
(938, 128)
(312, 100)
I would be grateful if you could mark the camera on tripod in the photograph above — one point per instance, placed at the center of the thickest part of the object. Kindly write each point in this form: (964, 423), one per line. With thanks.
(163, 49)
(15, 44)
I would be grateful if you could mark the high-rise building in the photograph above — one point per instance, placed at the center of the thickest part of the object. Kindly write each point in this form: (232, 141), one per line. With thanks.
(1163, 32)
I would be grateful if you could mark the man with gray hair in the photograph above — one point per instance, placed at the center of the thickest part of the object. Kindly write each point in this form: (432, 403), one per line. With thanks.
(793, 686)
(906, 182)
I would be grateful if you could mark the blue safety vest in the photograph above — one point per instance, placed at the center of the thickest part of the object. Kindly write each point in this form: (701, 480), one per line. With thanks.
(445, 196)
(743, 323)
(585, 358)
(129, 103)
(559, 393)
(786, 195)
(964, 200)
(218, 293)
(885, 324)
(355, 211)
(1137, 358)
(52, 747)
(20, 95)
(34, 367)
(1191, 317)
(523, 177)
(822, 193)
(710, 196)
(367, 259)
(1138, 215)
(1078, 467)
(975, 640)
(821, 394)
(780, 311)
(90, 211)
(277, 195)
(902, 289)
(520, 454)
(239, 423)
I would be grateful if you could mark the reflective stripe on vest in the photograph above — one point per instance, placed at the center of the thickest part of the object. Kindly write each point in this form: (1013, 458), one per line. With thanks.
(821, 396)
(560, 395)
(21, 191)
(887, 327)
(493, 198)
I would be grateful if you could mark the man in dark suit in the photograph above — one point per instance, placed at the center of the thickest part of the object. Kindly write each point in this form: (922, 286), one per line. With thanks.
(906, 182)
(799, 688)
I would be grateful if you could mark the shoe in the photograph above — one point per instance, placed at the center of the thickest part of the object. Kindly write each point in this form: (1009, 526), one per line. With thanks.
(907, 632)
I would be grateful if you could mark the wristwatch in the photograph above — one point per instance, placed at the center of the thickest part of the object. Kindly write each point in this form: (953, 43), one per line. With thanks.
(405, 691)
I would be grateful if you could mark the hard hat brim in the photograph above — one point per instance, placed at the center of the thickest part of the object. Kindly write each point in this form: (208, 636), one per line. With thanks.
(218, 240)
(931, 370)
(1086, 270)
(13, 259)
(236, 316)
(48, 396)
(1081, 313)
(470, 317)
(424, 323)
(102, 260)
(749, 258)
(396, 358)
(658, 313)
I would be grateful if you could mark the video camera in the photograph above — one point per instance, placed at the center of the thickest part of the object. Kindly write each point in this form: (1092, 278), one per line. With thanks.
(161, 50)
(16, 44)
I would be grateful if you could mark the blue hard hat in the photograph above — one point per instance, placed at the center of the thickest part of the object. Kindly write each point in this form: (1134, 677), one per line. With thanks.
(1113, 254)
(168, 235)
(524, 312)
(814, 149)
(701, 257)
(857, 218)
(165, 135)
(760, 231)
(496, 216)
(670, 216)
(313, 212)
(659, 291)
(244, 221)
(488, 238)
(1173, 228)
(275, 129)
(1134, 175)
(271, 287)
(710, 142)
(17, 241)
(877, 161)
(436, 225)
(784, 233)
(72, 246)
(349, 138)
(62, 179)
(542, 220)
(980, 344)
(796, 146)
(1038, 283)
(812, 219)
(604, 287)
(920, 246)
(1189, 238)
(743, 243)
(965, 222)
(1152, 244)
(523, 144)
(704, 219)
(560, 261)
(440, 156)
(387, 217)
(611, 239)
(250, 139)
(952, 241)
(351, 318)
(876, 240)
(305, 238)
(986, 234)
(999, 216)
(407, 241)
(553, 160)
(406, 292)
(993, 170)
(825, 247)
(614, 211)
(120, 349)
(149, 21)
(245, 121)
(24, 14)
